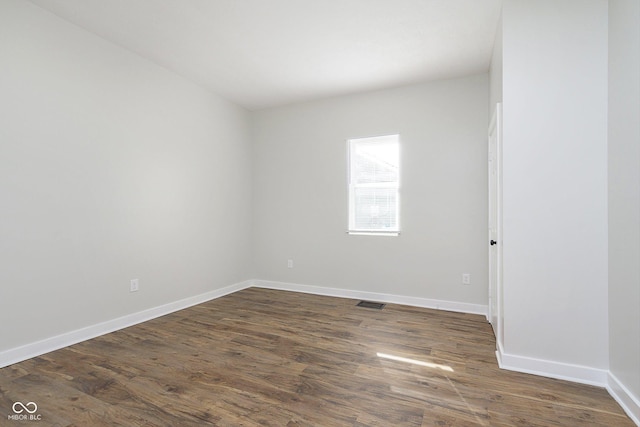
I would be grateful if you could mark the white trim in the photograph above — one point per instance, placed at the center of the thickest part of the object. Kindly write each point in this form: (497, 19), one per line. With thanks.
(624, 397)
(373, 233)
(18, 354)
(461, 307)
(552, 369)
(545, 368)
(499, 353)
(351, 144)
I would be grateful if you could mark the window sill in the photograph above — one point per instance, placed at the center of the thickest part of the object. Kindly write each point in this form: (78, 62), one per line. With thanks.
(373, 233)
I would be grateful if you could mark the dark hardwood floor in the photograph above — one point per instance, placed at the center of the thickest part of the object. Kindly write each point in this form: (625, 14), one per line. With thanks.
(264, 357)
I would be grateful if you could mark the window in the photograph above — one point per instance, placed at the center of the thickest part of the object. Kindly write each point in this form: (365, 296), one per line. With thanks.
(374, 184)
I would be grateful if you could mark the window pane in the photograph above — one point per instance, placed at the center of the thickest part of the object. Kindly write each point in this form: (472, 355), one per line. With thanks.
(375, 209)
(375, 162)
(374, 175)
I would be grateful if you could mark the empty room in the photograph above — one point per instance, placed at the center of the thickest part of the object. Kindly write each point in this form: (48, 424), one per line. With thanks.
(320, 213)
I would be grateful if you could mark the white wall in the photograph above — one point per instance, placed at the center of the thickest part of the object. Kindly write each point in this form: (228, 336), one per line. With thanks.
(555, 184)
(300, 192)
(111, 168)
(624, 194)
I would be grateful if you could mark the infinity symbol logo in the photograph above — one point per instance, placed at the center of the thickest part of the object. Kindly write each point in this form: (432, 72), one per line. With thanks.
(22, 407)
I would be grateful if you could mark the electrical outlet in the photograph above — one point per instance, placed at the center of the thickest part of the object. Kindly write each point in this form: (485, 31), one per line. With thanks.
(466, 279)
(289, 263)
(135, 285)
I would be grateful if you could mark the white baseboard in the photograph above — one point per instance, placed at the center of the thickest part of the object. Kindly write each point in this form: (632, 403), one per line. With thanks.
(540, 367)
(499, 353)
(18, 354)
(575, 373)
(552, 369)
(460, 307)
(626, 399)
(546, 368)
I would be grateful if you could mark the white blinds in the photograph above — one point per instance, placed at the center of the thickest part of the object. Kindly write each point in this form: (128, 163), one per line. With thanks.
(374, 182)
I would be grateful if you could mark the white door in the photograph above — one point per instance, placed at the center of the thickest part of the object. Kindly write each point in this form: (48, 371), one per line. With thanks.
(495, 223)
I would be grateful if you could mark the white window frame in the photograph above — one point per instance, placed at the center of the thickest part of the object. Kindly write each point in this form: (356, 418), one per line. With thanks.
(352, 187)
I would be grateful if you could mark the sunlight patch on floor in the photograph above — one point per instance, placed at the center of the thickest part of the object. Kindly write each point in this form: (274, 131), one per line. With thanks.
(415, 362)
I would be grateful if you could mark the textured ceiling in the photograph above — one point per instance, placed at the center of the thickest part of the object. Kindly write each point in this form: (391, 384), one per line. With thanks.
(264, 53)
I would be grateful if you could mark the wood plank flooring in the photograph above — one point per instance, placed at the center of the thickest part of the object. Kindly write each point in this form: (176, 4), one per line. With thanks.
(265, 357)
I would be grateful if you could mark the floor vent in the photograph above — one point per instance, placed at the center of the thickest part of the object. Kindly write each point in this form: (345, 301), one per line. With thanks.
(369, 304)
